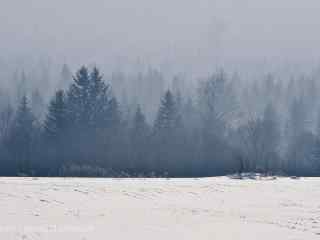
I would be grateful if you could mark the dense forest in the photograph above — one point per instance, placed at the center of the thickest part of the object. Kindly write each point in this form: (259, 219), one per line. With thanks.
(141, 125)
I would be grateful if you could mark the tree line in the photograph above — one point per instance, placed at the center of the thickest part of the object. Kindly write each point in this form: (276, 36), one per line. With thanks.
(223, 128)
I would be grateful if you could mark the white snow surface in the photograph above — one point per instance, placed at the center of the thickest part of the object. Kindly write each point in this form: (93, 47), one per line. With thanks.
(209, 208)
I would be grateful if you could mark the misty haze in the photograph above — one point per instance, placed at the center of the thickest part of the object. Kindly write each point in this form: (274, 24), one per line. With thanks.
(159, 119)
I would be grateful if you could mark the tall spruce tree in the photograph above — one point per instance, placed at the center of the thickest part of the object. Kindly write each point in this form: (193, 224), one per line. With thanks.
(79, 99)
(89, 99)
(167, 119)
(100, 99)
(22, 137)
(55, 133)
(166, 135)
(55, 125)
(92, 113)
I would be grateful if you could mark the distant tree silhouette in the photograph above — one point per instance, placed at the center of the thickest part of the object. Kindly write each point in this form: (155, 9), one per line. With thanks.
(21, 139)
(166, 130)
(139, 143)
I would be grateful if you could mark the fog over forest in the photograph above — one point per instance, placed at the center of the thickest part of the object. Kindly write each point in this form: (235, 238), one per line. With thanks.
(171, 87)
(173, 35)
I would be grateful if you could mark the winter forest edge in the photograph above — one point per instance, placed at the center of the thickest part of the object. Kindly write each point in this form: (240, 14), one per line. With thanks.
(95, 127)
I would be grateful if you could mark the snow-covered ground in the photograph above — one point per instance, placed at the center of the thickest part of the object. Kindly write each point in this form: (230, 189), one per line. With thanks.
(210, 208)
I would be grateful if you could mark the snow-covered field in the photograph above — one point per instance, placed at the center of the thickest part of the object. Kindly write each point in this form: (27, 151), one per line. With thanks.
(210, 208)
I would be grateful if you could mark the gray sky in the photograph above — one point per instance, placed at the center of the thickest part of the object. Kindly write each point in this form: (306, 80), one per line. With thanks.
(182, 33)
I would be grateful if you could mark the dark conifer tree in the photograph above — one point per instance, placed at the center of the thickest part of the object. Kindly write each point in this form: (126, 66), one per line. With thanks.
(6, 121)
(79, 99)
(167, 118)
(55, 125)
(55, 133)
(89, 99)
(22, 138)
(166, 135)
(101, 100)
(94, 117)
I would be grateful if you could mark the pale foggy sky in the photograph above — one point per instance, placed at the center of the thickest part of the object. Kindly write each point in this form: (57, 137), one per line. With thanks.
(188, 34)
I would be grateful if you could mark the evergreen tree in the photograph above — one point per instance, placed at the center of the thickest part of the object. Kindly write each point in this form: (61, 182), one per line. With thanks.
(56, 133)
(6, 119)
(139, 134)
(55, 125)
(93, 117)
(167, 129)
(89, 99)
(22, 137)
(101, 99)
(167, 119)
(79, 99)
